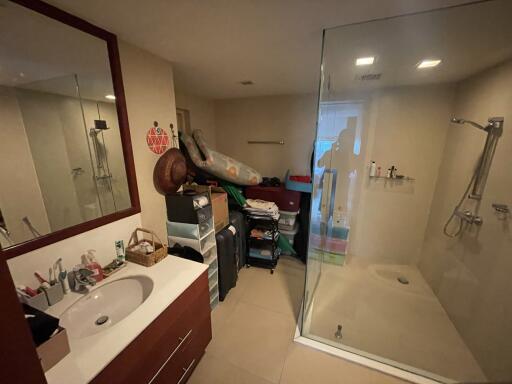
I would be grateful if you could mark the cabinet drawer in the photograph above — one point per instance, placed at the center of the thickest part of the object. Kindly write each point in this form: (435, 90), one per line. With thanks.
(179, 368)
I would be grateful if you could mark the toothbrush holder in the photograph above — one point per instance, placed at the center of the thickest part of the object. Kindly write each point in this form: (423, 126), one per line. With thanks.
(54, 294)
(38, 301)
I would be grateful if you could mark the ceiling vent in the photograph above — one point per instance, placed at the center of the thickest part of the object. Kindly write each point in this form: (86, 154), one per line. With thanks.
(369, 76)
(246, 82)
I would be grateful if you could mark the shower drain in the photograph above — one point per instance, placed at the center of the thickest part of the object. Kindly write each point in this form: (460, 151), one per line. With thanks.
(101, 320)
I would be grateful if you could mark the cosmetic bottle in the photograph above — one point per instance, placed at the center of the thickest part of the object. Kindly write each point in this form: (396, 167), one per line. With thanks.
(373, 169)
(119, 244)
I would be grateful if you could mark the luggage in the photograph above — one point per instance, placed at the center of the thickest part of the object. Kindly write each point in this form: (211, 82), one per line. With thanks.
(237, 220)
(228, 271)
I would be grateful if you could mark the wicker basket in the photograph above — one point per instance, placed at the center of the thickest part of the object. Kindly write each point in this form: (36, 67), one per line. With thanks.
(159, 253)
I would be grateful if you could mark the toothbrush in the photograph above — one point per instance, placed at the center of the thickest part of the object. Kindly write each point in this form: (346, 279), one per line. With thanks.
(63, 276)
(51, 276)
(42, 281)
(40, 278)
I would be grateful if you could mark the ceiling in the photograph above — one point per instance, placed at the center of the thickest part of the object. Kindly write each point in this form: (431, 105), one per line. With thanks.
(214, 45)
(466, 42)
(42, 54)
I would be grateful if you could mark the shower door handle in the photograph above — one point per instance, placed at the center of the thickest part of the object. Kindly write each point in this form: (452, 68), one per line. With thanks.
(332, 195)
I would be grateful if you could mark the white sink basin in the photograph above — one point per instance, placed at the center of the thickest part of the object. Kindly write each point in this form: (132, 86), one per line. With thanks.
(105, 306)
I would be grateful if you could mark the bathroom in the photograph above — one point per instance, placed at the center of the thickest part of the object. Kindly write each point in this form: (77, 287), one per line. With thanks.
(417, 290)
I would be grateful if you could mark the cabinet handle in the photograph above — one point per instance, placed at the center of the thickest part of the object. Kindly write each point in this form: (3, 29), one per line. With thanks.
(182, 340)
(185, 371)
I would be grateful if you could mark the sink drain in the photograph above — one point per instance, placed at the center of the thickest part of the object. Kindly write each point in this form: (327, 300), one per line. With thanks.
(101, 320)
(403, 280)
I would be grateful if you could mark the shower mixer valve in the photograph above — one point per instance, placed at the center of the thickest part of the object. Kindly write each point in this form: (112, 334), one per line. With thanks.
(469, 217)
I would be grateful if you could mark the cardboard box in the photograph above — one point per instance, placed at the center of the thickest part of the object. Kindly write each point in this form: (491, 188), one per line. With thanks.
(219, 201)
(53, 350)
(220, 210)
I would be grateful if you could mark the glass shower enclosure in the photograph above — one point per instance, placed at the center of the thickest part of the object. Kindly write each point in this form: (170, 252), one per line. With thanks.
(408, 268)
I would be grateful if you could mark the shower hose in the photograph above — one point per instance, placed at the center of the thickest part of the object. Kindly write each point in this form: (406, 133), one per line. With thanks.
(457, 207)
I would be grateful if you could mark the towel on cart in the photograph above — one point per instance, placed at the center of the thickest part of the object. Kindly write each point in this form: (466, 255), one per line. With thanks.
(262, 208)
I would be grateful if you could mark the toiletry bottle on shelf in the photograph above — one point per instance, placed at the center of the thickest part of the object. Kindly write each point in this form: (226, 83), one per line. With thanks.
(373, 168)
(120, 251)
(379, 171)
(93, 265)
(388, 173)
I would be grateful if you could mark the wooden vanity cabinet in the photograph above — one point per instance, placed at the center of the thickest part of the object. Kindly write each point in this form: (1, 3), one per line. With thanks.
(170, 348)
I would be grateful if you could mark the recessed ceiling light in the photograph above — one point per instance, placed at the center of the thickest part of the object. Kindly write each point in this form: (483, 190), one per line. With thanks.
(365, 60)
(429, 63)
(110, 97)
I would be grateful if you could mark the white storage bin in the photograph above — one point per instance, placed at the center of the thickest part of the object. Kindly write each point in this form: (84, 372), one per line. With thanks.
(289, 235)
(189, 231)
(287, 220)
(202, 246)
(214, 301)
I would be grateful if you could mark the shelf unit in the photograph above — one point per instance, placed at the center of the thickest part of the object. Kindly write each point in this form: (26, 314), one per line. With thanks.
(256, 245)
(192, 225)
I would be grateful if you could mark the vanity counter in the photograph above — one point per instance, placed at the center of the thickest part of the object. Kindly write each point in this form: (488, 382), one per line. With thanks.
(90, 355)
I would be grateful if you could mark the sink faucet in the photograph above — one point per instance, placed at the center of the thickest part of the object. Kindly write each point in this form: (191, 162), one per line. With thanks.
(82, 278)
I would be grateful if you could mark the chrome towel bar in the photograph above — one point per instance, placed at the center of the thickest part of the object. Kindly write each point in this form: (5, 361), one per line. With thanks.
(280, 142)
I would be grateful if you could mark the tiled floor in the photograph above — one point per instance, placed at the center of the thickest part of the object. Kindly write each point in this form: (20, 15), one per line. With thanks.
(253, 337)
(402, 323)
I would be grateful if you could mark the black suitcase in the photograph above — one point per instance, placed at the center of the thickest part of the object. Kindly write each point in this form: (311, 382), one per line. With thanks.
(237, 220)
(228, 272)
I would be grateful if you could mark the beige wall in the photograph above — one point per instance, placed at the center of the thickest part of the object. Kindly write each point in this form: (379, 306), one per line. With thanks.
(149, 92)
(291, 118)
(202, 114)
(392, 135)
(471, 275)
(406, 127)
(44, 127)
(18, 174)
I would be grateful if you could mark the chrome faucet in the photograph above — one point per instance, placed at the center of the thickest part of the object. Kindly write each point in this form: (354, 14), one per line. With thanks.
(82, 278)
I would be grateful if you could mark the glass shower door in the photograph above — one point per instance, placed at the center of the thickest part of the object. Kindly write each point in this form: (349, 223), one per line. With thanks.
(393, 155)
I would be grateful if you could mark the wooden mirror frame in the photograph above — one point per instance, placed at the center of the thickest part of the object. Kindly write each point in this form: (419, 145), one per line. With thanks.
(122, 115)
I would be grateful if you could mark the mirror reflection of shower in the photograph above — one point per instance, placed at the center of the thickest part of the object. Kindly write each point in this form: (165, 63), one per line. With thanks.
(102, 174)
(476, 186)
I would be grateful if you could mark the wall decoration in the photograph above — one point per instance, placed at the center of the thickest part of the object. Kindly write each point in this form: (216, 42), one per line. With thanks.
(157, 139)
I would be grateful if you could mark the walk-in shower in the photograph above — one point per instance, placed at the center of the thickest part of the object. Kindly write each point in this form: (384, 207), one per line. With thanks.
(476, 186)
(385, 287)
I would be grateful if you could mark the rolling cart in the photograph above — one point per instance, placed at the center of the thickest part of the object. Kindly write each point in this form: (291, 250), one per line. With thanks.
(262, 241)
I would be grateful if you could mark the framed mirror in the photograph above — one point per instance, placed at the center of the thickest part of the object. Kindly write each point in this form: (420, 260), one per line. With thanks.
(66, 162)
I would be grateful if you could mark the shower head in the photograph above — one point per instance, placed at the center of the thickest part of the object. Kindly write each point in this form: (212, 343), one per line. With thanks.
(101, 125)
(457, 120)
